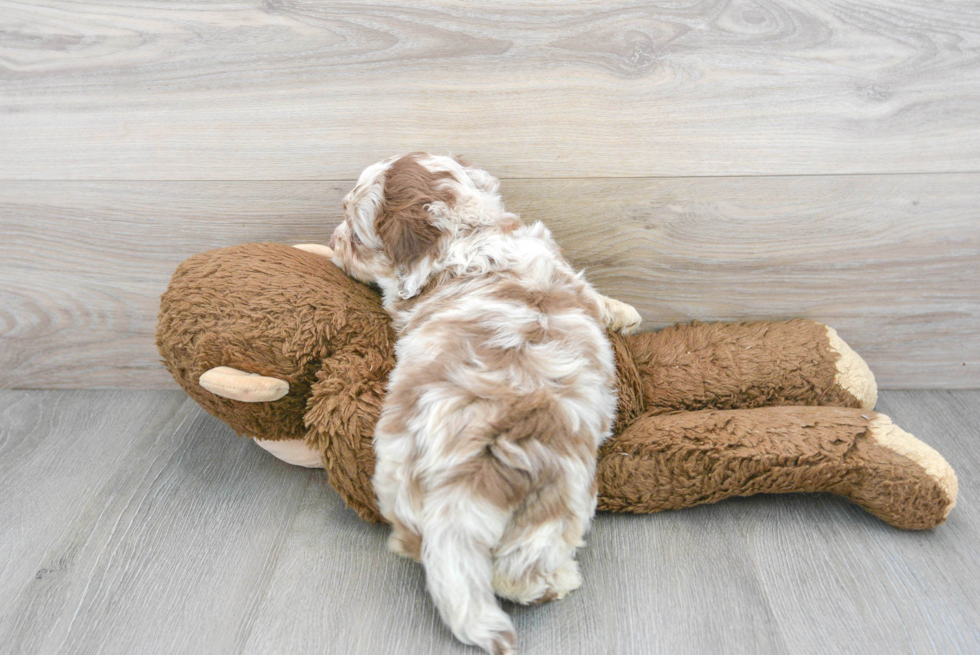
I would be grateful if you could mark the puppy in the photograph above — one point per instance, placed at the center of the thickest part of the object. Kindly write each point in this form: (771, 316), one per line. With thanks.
(503, 390)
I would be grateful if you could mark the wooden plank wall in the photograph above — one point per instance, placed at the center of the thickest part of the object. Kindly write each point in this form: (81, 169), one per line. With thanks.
(706, 159)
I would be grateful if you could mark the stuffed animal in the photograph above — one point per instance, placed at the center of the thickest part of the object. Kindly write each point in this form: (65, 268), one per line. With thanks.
(285, 348)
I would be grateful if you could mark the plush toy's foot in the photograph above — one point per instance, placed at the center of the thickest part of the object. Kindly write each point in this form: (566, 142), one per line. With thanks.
(292, 451)
(853, 373)
(670, 461)
(913, 500)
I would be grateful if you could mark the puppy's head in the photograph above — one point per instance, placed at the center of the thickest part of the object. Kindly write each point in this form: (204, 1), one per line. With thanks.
(405, 213)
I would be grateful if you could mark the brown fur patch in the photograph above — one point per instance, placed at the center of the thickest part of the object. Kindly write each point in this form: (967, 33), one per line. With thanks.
(408, 540)
(491, 479)
(548, 503)
(539, 417)
(548, 301)
(548, 596)
(403, 223)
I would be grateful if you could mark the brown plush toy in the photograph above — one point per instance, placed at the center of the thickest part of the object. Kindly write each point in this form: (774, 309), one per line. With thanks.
(285, 348)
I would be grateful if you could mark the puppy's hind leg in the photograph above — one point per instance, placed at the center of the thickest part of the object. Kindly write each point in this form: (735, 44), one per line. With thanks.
(399, 499)
(535, 560)
(537, 567)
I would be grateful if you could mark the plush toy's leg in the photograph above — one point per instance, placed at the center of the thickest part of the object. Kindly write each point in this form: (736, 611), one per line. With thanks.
(670, 461)
(742, 365)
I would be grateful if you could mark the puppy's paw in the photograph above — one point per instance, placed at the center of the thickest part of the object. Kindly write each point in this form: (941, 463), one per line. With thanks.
(536, 587)
(405, 543)
(619, 316)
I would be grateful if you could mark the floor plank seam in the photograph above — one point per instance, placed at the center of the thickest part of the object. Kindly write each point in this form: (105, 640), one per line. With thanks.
(266, 588)
(175, 432)
(762, 586)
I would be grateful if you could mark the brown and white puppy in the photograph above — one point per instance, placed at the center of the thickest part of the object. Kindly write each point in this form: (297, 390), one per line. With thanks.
(502, 392)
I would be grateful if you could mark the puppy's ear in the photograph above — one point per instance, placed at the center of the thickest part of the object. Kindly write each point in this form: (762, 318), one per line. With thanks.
(411, 241)
(406, 224)
(407, 233)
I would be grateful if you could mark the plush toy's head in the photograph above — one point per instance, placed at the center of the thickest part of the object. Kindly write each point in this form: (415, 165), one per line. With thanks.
(276, 311)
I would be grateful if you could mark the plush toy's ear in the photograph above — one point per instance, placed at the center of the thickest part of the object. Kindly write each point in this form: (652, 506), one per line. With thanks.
(234, 384)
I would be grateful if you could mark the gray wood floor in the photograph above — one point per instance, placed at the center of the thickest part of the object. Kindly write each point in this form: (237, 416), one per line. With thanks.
(133, 522)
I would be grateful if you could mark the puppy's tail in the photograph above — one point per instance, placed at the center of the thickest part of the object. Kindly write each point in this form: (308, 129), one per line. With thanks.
(458, 533)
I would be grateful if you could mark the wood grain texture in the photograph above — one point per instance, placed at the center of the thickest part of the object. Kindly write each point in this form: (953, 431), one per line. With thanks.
(50, 442)
(186, 539)
(893, 262)
(877, 589)
(172, 538)
(85, 263)
(292, 89)
(338, 590)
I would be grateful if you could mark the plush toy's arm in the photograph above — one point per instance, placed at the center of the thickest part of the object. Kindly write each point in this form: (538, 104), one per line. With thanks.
(316, 249)
(743, 365)
(671, 461)
(343, 408)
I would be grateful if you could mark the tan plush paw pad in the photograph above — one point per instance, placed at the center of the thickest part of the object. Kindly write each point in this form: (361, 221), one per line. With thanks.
(853, 374)
(891, 436)
(292, 451)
